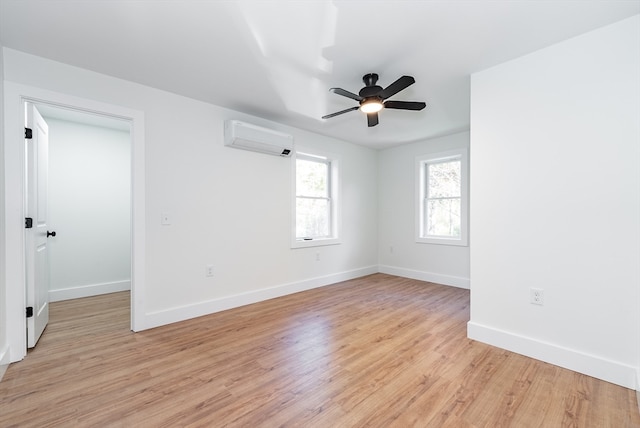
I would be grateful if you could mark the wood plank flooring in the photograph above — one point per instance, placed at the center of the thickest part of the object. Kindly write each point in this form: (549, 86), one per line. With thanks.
(378, 351)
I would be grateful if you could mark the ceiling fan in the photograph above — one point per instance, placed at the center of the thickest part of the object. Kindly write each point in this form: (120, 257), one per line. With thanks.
(372, 97)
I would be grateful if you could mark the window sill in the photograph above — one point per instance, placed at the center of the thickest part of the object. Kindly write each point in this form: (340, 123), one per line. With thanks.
(315, 242)
(443, 241)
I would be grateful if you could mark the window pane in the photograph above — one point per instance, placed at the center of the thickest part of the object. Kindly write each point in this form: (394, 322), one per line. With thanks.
(312, 178)
(443, 217)
(312, 218)
(444, 179)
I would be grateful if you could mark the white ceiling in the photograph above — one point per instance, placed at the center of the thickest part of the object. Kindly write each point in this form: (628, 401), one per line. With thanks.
(278, 59)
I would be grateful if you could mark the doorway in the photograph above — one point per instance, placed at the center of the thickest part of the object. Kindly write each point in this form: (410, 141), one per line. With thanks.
(17, 95)
(78, 175)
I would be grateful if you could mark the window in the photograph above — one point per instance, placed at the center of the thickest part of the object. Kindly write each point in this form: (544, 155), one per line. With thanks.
(316, 203)
(442, 198)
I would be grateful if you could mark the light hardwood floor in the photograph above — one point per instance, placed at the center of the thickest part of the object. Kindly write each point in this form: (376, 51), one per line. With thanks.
(379, 351)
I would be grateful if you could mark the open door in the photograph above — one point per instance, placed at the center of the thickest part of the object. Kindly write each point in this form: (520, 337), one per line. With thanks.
(36, 232)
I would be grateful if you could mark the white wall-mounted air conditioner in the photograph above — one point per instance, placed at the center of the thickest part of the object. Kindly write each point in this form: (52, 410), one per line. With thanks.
(245, 136)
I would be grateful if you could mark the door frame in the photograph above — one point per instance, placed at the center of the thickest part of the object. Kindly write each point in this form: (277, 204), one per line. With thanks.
(14, 162)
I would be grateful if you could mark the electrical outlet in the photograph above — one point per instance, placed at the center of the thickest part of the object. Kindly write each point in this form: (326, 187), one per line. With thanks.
(317, 257)
(537, 296)
(209, 270)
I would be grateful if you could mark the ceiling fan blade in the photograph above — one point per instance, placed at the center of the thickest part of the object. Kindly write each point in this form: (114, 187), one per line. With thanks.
(372, 119)
(345, 93)
(341, 112)
(396, 87)
(405, 105)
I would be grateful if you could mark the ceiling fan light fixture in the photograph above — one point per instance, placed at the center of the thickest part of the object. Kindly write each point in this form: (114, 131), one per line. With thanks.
(371, 106)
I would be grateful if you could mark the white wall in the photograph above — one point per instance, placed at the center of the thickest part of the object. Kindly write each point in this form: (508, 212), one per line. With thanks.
(555, 203)
(89, 208)
(229, 208)
(399, 253)
(4, 344)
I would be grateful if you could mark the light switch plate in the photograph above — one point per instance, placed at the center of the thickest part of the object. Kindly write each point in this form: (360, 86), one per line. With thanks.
(165, 218)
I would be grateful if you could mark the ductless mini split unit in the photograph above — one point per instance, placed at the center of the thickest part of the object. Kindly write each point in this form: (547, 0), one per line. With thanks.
(241, 135)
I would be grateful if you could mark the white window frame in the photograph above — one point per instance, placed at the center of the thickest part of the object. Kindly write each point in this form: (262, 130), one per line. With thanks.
(334, 189)
(421, 189)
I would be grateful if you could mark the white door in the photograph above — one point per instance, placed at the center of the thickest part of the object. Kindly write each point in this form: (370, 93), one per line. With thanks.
(37, 257)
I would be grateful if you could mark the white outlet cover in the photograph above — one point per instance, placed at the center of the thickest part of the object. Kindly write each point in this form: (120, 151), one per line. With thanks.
(536, 296)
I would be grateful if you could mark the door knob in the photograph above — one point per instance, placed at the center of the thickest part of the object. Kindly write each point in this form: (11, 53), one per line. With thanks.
(51, 234)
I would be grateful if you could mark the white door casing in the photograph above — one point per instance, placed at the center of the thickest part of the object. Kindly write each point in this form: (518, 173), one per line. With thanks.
(37, 250)
(15, 96)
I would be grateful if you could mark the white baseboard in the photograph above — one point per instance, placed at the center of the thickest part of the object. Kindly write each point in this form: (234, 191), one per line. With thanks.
(638, 389)
(168, 316)
(88, 290)
(591, 365)
(4, 360)
(454, 281)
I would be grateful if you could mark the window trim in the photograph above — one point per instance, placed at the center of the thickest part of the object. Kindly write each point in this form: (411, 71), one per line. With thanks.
(420, 176)
(334, 198)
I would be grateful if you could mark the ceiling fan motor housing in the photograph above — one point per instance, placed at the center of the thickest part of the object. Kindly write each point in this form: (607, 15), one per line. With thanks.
(371, 89)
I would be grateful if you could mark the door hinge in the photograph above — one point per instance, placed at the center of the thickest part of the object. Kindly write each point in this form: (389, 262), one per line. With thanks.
(28, 133)
(28, 223)
(29, 311)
